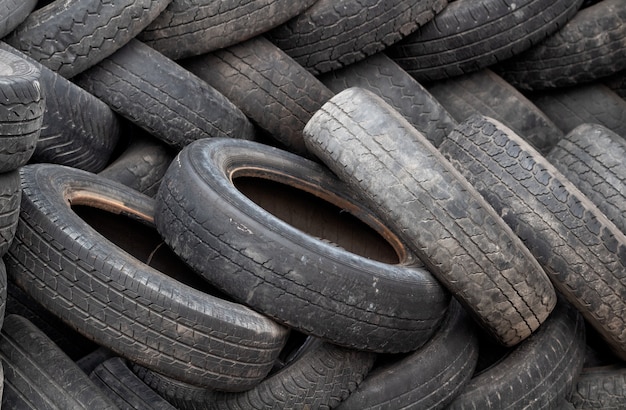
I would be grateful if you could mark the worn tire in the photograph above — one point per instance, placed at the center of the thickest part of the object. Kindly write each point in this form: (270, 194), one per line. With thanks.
(440, 216)
(161, 97)
(600, 388)
(69, 36)
(38, 375)
(10, 200)
(111, 297)
(189, 28)
(330, 34)
(581, 250)
(384, 77)
(592, 158)
(484, 92)
(428, 378)
(539, 373)
(274, 91)
(471, 35)
(13, 13)
(590, 46)
(367, 293)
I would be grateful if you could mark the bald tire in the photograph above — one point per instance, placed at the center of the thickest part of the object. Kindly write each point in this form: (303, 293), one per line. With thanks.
(405, 179)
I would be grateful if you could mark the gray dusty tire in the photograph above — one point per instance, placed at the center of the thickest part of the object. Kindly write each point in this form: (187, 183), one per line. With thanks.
(189, 28)
(333, 34)
(367, 293)
(13, 13)
(163, 98)
(69, 36)
(440, 216)
(99, 288)
(583, 252)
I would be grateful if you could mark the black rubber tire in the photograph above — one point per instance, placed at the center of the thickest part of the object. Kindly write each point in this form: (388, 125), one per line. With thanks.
(10, 199)
(141, 165)
(601, 388)
(430, 377)
(38, 375)
(582, 251)
(405, 179)
(331, 34)
(570, 107)
(93, 359)
(163, 98)
(274, 91)
(592, 158)
(124, 388)
(77, 130)
(193, 27)
(471, 35)
(384, 303)
(484, 92)
(384, 77)
(69, 36)
(590, 46)
(13, 13)
(120, 302)
(539, 373)
(22, 106)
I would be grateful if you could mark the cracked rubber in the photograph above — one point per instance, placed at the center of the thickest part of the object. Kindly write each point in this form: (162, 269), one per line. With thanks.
(440, 216)
(601, 388)
(485, 92)
(592, 158)
(470, 35)
(69, 36)
(385, 78)
(13, 13)
(583, 252)
(332, 34)
(122, 303)
(590, 46)
(273, 90)
(163, 98)
(38, 375)
(349, 294)
(193, 27)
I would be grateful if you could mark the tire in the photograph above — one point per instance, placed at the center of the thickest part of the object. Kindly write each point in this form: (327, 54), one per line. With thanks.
(78, 130)
(539, 373)
(468, 35)
(592, 158)
(10, 199)
(69, 36)
(193, 27)
(405, 179)
(124, 388)
(600, 388)
(367, 293)
(87, 277)
(583, 253)
(22, 105)
(330, 35)
(38, 375)
(142, 165)
(428, 378)
(570, 107)
(13, 13)
(384, 77)
(274, 91)
(485, 92)
(161, 97)
(590, 46)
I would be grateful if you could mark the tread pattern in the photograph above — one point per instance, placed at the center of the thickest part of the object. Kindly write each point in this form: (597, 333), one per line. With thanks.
(384, 77)
(600, 388)
(582, 251)
(193, 27)
(161, 97)
(592, 157)
(13, 13)
(330, 34)
(70, 37)
(470, 35)
(590, 46)
(458, 235)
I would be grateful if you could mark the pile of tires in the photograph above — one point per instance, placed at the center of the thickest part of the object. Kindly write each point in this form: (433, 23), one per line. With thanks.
(271, 204)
